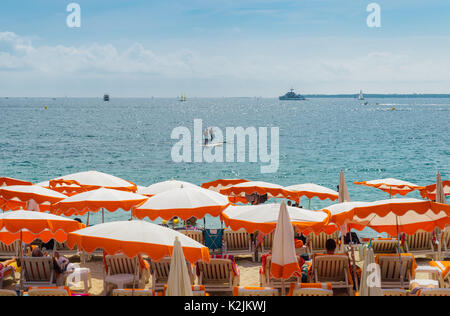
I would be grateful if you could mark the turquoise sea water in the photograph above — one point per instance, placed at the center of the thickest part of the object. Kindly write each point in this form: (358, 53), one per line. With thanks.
(130, 138)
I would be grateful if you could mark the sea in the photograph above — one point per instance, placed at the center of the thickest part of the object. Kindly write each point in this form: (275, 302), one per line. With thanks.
(133, 138)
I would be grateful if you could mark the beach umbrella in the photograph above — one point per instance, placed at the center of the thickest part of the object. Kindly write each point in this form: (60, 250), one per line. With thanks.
(96, 200)
(370, 280)
(264, 218)
(431, 191)
(134, 238)
(179, 281)
(33, 197)
(5, 181)
(343, 191)
(341, 215)
(391, 186)
(311, 190)
(183, 203)
(221, 184)
(89, 180)
(284, 258)
(164, 186)
(259, 187)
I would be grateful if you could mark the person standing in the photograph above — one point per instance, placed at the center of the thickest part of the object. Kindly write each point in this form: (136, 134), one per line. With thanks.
(206, 136)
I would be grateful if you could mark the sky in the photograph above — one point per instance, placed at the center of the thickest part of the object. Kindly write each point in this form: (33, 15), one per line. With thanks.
(216, 48)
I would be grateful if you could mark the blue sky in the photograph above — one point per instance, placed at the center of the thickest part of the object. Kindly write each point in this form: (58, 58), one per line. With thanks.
(223, 48)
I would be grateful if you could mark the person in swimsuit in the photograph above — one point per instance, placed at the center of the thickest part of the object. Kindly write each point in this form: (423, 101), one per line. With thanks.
(206, 136)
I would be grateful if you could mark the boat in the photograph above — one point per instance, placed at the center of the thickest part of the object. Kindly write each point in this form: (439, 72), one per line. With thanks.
(292, 96)
(361, 95)
(106, 97)
(183, 98)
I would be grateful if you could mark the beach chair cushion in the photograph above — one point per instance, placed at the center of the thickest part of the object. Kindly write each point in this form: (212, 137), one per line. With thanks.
(310, 289)
(433, 292)
(254, 291)
(49, 291)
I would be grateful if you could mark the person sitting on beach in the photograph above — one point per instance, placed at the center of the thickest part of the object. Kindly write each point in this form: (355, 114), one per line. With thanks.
(289, 203)
(7, 263)
(330, 246)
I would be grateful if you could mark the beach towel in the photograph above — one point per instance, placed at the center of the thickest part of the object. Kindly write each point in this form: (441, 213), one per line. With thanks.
(444, 266)
(213, 238)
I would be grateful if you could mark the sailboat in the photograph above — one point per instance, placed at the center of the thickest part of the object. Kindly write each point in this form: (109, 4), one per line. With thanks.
(361, 95)
(183, 98)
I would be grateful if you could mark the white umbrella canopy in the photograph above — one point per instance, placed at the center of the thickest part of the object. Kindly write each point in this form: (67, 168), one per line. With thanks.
(93, 201)
(392, 186)
(311, 190)
(164, 186)
(183, 203)
(134, 238)
(259, 187)
(179, 282)
(264, 217)
(90, 180)
(343, 191)
(27, 196)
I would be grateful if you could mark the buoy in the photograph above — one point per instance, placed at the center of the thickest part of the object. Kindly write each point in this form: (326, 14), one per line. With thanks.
(164, 222)
(175, 221)
(393, 109)
(45, 107)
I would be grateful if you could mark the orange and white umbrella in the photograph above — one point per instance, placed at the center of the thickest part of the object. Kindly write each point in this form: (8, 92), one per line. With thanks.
(164, 186)
(259, 187)
(391, 186)
(134, 238)
(5, 181)
(221, 184)
(95, 200)
(284, 258)
(264, 218)
(429, 192)
(89, 180)
(311, 190)
(341, 215)
(31, 195)
(35, 225)
(183, 203)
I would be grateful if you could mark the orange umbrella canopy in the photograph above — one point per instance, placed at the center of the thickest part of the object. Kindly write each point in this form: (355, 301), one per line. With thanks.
(183, 203)
(136, 238)
(5, 181)
(17, 196)
(93, 201)
(164, 186)
(221, 184)
(429, 192)
(259, 187)
(35, 225)
(89, 180)
(391, 186)
(311, 190)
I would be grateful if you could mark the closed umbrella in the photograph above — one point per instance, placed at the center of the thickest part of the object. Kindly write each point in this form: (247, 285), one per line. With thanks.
(343, 191)
(371, 276)
(440, 194)
(179, 282)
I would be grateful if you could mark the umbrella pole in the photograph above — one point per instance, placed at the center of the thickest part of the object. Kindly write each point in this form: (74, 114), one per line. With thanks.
(134, 276)
(87, 223)
(309, 205)
(283, 289)
(103, 215)
(21, 264)
(399, 253)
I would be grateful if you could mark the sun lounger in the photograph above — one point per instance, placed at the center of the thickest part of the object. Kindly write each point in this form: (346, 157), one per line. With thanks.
(254, 291)
(390, 270)
(130, 292)
(160, 273)
(63, 250)
(394, 292)
(265, 278)
(38, 272)
(434, 292)
(121, 272)
(333, 269)
(49, 291)
(197, 235)
(265, 245)
(238, 243)
(197, 290)
(7, 293)
(444, 269)
(384, 245)
(7, 272)
(317, 242)
(310, 289)
(421, 243)
(8, 251)
(218, 275)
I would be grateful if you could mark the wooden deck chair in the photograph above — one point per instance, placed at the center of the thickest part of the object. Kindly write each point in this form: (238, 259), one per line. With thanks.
(333, 269)
(8, 251)
(310, 289)
(7, 293)
(5, 273)
(197, 235)
(254, 291)
(63, 250)
(238, 243)
(122, 272)
(129, 292)
(38, 271)
(433, 292)
(421, 243)
(317, 242)
(54, 291)
(445, 244)
(197, 290)
(266, 280)
(160, 273)
(266, 245)
(217, 275)
(394, 292)
(384, 246)
(390, 271)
